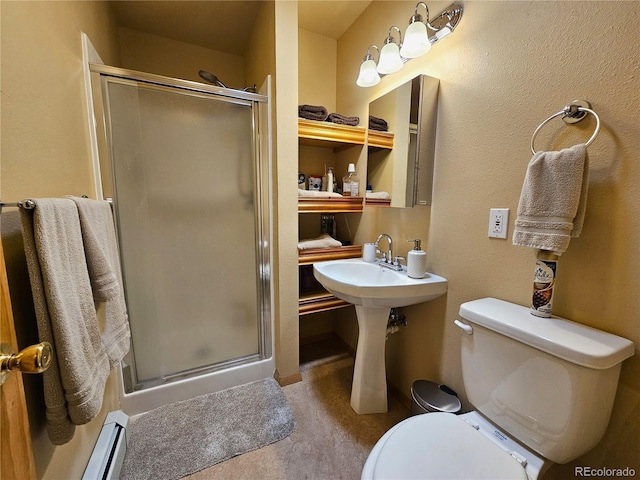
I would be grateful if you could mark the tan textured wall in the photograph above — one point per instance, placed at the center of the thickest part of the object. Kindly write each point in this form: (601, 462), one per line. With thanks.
(509, 66)
(260, 59)
(317, 70)
(45, 152)
(286, 172)
(153, 54)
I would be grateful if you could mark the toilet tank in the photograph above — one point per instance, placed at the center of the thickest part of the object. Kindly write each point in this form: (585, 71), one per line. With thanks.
(548, 382)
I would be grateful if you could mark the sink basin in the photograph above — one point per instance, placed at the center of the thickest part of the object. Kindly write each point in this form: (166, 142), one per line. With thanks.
(370, 285)
(374, 290)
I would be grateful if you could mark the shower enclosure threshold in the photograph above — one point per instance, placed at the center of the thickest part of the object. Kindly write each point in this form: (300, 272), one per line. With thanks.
(142, 401)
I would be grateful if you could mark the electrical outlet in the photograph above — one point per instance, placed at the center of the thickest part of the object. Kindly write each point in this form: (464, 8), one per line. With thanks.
(498, 222)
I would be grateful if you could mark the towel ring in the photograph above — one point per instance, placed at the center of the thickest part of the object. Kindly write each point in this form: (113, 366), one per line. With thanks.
(572, 113)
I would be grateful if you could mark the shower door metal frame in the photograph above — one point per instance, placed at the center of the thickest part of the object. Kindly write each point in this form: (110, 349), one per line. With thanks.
(262, 197)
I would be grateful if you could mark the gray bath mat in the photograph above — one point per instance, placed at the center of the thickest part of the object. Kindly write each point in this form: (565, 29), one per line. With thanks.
(185, 437)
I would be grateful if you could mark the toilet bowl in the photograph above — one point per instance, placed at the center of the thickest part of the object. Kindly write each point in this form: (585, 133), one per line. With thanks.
(542, 390)
(441, 446)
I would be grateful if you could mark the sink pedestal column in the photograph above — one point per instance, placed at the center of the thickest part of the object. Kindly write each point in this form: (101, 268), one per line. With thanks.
(369, 389)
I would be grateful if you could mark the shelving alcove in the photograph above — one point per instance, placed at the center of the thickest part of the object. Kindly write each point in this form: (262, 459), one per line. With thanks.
(312, 297)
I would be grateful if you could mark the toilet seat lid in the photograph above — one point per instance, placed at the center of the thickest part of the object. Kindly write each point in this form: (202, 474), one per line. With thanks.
(440, 446)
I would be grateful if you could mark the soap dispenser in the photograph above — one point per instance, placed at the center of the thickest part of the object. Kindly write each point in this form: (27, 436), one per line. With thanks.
(416, 260)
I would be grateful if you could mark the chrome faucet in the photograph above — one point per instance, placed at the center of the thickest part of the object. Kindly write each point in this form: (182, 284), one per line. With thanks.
(388, 258)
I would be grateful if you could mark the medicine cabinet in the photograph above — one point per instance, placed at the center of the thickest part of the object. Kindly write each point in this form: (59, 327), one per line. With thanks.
(406, 170)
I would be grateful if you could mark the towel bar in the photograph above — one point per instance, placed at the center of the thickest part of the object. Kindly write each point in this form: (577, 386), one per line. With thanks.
(572, 113)
(27, 203)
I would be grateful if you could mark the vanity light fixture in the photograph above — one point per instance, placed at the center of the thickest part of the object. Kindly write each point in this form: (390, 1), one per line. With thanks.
(390, 60)
(418, 39)
(369, 75)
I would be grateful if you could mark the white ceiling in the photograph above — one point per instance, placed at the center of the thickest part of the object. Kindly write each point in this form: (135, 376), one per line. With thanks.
(226, 25)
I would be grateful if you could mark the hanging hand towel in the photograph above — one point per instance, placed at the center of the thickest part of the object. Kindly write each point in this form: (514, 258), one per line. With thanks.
(103, 261)
(66, 316)
(553, 199)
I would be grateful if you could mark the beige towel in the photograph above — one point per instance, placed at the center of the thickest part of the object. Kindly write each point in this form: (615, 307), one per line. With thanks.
(316, 193)
(553, 199)
(66, 316)
(103, 261)
(381, 195)
(323, 241)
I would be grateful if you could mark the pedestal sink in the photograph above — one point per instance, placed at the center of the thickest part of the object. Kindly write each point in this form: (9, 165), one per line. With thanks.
(374, 290)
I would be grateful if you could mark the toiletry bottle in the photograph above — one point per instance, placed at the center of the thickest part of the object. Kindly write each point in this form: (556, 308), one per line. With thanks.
(416, 260)
(325, 180)
(544, 278)
(350, 182)
(330, 180)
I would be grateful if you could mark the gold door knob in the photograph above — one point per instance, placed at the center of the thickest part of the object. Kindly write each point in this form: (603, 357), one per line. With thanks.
(33, 359)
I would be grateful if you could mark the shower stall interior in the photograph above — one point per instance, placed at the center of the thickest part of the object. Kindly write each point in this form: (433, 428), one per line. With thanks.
(188, 168)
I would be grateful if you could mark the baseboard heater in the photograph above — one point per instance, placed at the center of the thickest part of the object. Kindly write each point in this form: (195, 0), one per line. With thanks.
(108, 454)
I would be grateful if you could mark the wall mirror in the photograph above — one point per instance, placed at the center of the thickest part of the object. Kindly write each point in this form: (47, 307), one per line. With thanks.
(404, 169)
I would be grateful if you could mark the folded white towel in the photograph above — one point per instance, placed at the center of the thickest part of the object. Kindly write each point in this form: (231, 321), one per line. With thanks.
(553, 199)
(381, 195)
(66, 316)
(316, 193)
(323, 241)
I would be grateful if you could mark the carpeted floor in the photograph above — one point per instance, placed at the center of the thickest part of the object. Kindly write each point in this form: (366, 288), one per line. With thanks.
(330, 440)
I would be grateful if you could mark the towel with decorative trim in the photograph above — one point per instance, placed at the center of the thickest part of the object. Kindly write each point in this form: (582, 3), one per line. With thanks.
(103, 261)
(313, 112)
(65, 315)
(323, 241)
(553, 199)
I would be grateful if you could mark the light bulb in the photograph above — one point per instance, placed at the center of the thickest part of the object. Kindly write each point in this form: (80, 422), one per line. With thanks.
(390, 60)
(443, 32)
(416, 41)
(368, 76)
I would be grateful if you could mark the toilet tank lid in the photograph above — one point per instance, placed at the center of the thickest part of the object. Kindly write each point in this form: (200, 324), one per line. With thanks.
(557, 336)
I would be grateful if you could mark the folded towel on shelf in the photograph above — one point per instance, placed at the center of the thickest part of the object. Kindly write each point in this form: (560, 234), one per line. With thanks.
(376, 123)
(323, 241)
(381, 195)
(553, 199)
(316, 193)
(101, 251)
(313, 112)
(343, 119)
(66, 316)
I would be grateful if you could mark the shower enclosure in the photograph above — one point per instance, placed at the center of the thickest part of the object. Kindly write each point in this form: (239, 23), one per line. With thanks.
(189, 178)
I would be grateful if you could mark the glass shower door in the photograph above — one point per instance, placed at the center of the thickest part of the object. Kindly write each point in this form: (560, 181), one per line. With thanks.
(184, 183)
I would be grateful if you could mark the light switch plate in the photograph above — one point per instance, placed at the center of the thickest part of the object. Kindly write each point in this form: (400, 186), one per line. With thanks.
(498, 222)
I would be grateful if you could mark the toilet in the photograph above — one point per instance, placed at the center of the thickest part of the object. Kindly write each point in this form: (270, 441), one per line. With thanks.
(542, 389)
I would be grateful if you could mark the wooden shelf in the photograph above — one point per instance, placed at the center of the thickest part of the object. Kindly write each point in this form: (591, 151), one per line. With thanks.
(313, 255)
(378, 202)
(313, 298)
(329, 204)
(320, 302)
(379, 139)
(328, 134)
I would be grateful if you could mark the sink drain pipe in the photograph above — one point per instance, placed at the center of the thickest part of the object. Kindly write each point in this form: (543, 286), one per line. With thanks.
(396, 319)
